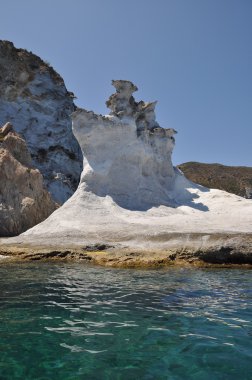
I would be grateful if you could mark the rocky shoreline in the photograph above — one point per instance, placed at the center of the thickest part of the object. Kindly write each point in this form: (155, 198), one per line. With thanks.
(215, 250)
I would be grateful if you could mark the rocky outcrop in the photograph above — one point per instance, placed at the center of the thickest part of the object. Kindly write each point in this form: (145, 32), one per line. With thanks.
(33, 97)
(127, 154)
(23, 200)
(131, 199)
(234, 179)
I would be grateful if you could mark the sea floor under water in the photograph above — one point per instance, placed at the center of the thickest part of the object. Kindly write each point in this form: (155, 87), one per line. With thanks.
(67, 321)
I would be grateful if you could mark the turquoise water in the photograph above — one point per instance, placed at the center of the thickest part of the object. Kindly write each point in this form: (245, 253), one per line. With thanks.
(71, 321)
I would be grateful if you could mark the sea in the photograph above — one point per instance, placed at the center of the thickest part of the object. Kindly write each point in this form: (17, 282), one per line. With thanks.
(71, 321)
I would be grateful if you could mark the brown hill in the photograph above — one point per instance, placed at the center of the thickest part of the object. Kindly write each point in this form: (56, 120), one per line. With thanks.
(234, 179)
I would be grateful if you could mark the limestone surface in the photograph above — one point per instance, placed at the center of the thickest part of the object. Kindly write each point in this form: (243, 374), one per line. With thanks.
(23, 200)
(130, 196)
(33, 97)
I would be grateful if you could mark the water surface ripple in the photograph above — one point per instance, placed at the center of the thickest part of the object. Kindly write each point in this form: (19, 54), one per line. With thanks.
(70, 322)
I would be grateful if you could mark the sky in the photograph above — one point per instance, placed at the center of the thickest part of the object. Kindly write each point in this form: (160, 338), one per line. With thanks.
(193, 56)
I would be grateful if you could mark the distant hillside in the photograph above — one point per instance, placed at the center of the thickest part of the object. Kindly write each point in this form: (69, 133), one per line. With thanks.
(234, 179)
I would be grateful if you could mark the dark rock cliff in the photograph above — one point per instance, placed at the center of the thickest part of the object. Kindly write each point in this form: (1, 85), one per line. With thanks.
(33, 97)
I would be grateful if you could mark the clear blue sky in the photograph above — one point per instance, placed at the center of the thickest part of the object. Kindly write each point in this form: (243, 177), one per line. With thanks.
(193, 56)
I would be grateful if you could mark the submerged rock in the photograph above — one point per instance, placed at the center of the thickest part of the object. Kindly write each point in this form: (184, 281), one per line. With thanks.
(131, 198)
(23, 200)
(33, 97)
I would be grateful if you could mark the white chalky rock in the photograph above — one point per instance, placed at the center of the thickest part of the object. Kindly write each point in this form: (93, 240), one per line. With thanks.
(130, 195)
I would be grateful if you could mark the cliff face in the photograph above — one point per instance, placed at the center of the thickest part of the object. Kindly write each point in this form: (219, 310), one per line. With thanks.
(23, 200)
(34, 99)
(234, 179)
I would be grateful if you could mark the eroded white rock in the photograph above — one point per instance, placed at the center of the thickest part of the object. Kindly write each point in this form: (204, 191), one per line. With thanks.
(127, 155)
(129, 194)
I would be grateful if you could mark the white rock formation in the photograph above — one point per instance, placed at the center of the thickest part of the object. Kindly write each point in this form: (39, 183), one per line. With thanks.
(126, 155)
(129, 194)
(33, 97)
